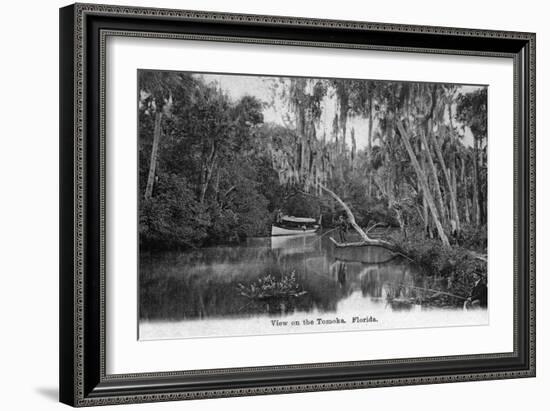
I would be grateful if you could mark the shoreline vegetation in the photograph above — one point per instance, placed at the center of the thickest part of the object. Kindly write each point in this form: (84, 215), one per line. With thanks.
(213, 169)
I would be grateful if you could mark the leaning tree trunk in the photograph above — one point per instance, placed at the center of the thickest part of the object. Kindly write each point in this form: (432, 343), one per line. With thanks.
(433, 169)
(422, 178)
(452, 173)
(369, 141)
(425, 208)
(465, 190)
(481, 192)
(154, 156)
(350, 215)
(366, 240)
(454, 208)
(426, 216)
(475, 200)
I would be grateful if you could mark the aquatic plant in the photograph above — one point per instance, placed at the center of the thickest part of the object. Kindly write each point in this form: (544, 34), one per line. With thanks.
(269, 286)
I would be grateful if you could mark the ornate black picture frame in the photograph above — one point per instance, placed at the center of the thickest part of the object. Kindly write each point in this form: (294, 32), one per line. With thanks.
(83, 32)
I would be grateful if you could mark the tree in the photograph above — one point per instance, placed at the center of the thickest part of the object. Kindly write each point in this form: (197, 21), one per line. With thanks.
(424, 183)
(156, 91)
(415, 170)
(472, 112)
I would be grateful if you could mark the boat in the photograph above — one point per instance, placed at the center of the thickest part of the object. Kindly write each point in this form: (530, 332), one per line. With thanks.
(286, 244)
(290, 226)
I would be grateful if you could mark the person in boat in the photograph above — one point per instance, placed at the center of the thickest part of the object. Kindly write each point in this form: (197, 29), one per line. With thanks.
(454, 229)
(454, 232)
(478, 294)
(342, 228)
(279, 216)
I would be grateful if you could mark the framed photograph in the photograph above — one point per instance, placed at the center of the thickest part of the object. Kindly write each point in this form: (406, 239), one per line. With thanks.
(261, 204)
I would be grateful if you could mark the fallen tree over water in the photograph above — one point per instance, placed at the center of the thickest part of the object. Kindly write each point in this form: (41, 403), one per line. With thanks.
(366, 240)
(434, 256)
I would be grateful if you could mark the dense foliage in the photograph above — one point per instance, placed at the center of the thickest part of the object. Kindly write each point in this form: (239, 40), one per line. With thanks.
(213, 171)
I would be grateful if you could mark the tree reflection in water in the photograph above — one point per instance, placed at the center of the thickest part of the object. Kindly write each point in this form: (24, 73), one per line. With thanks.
(204, 283)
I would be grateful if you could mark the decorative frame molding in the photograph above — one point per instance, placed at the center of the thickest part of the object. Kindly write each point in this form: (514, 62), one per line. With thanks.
(83, 32)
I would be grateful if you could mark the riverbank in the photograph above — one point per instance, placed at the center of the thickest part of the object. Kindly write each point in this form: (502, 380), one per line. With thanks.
(455, 268)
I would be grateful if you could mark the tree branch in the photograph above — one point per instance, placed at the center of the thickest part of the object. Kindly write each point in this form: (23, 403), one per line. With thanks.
(366, 239)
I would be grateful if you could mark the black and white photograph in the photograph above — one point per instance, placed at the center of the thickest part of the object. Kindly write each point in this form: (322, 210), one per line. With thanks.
(273, 205)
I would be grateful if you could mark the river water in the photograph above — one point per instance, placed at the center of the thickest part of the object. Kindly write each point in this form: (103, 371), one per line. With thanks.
(216, 291)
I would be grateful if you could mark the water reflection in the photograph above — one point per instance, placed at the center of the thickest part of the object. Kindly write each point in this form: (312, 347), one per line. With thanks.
(208, 283)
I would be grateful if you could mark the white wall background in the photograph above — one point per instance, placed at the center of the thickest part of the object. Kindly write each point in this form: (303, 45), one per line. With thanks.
(29, 204)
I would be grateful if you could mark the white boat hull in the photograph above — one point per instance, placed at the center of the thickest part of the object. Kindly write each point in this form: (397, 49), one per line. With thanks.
(277, 231)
